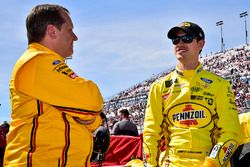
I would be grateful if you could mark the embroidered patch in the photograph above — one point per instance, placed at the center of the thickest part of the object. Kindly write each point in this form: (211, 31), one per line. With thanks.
(56, 62)
(73, 75)
(207, 80)
(61, 68)
(186, 115)
(226, 151)
(215, 151)
(168, 83)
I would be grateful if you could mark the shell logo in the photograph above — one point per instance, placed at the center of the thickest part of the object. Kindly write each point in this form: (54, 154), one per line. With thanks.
(186, 115)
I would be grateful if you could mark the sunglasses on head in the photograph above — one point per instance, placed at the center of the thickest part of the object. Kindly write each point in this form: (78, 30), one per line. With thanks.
(184, 38)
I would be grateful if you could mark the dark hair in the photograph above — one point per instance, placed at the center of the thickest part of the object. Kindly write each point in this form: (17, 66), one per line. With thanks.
(124, 112)
(40, 17)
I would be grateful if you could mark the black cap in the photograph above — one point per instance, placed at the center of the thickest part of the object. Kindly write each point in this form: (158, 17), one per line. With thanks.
(189, 28)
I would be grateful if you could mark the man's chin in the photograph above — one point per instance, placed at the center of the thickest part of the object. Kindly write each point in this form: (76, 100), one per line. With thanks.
(179, 57)
(69, 56)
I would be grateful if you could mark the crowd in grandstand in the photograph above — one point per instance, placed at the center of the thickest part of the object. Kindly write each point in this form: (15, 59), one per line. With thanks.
(233, 64)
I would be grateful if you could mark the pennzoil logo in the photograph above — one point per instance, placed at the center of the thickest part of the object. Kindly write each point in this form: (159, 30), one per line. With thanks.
(226, 151)
(187, 115)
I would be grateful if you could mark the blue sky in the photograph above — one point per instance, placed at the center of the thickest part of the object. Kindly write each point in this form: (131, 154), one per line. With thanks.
(120, 42)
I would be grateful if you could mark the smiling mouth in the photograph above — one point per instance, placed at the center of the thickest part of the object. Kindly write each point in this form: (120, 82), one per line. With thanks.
(181, 50)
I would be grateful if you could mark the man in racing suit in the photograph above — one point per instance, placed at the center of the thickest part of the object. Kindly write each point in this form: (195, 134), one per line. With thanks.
(192, 109)
(54, 112)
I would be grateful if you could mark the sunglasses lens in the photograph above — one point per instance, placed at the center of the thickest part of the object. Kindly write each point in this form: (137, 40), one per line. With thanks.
(185, 39)
(176, 40)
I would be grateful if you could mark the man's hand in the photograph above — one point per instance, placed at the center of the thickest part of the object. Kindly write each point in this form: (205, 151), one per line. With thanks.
(84, 122)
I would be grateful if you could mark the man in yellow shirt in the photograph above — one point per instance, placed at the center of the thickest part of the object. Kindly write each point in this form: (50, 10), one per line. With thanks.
(191, 108)
(54, 111)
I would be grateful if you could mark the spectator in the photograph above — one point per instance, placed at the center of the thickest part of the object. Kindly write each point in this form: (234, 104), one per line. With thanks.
(124, 126)
(54, 111)
(4, 129)
(193, 109)
(112, 123)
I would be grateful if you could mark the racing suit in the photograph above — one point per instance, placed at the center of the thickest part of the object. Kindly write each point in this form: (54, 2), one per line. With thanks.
(46, 98)
(194, 112)
(245, 127)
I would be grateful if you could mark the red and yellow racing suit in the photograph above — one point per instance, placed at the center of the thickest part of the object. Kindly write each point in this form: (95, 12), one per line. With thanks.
(194, 111)
(46, 97)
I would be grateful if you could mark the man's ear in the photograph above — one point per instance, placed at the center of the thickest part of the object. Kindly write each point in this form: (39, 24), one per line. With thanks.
(51, 31)
(201, 43)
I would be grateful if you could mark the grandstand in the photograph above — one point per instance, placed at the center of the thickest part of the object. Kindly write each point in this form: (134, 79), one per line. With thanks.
(232, 64)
